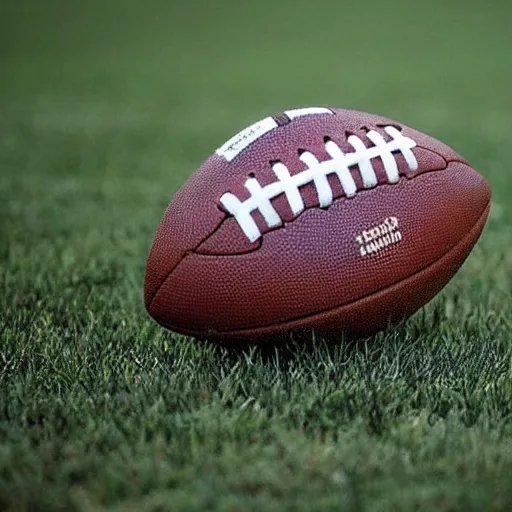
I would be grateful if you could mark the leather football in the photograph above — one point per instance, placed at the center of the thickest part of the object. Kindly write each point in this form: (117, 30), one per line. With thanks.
(315, 220)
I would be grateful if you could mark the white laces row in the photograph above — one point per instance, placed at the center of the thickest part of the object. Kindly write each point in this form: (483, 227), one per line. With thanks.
(317, 172)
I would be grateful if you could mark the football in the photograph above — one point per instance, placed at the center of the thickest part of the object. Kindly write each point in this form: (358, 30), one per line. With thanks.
(315, 220)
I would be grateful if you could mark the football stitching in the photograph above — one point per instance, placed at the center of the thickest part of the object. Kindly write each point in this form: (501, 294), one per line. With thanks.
(221, 222)
(263, 330)
(317, 173)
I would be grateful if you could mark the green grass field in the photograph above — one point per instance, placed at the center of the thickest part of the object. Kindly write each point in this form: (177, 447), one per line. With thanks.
(105, 109)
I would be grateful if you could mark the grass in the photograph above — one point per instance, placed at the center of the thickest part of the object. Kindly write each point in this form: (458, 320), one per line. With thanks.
(104, 112)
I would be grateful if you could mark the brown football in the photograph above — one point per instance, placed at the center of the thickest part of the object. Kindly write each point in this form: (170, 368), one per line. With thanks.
(315, 219)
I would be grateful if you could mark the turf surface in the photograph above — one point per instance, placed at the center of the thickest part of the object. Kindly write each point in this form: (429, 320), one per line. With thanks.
(104, 112)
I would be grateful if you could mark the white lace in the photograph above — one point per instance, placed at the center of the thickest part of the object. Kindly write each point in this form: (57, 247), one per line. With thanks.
(317, 172)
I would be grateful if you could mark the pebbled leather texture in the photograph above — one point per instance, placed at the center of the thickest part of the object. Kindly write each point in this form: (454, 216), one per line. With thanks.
(205, 278)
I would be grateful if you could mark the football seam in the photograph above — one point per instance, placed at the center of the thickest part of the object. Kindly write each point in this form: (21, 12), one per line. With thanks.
(259, 242)
(262, 330)
(194, 250)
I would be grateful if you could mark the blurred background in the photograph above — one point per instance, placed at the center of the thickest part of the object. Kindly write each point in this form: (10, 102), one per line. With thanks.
(203, 69)
(107, 107)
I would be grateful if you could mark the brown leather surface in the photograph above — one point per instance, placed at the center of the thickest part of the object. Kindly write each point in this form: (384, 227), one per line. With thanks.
(369, 314)
(205, 278)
